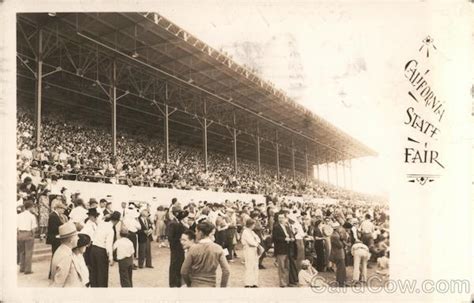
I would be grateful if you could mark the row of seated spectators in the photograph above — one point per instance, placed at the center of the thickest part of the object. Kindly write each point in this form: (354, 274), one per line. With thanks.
(81, 150)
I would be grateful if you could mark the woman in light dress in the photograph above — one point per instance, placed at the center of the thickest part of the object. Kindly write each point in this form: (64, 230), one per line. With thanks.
(44, 211)
(160, 227)
(250, 242)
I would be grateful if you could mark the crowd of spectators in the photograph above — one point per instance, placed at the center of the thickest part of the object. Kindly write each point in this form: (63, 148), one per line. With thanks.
(81, 150)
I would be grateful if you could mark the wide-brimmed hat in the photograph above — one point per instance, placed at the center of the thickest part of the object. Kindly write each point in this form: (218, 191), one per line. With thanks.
(92, 212)
(66, 230)
(182, 214)
(83, 240)
(347, 225)
(115, 216)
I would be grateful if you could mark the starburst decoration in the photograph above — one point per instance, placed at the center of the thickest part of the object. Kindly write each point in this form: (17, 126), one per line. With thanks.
(427, 44)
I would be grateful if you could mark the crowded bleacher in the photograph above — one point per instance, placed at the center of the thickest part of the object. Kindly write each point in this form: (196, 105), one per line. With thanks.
(87, 156)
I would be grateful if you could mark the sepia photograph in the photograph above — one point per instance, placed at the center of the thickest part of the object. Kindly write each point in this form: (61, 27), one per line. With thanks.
(270, 150)
(140, 144)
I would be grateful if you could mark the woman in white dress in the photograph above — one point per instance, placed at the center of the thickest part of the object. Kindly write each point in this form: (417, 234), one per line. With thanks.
(250, 242)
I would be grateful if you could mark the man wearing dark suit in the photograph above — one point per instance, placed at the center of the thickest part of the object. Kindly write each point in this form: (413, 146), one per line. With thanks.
(144, 239)
(175, 229)
(337, 253)
(56, 219)
(284, 242)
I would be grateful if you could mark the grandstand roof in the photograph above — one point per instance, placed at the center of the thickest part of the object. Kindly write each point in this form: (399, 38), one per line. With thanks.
(150, 51)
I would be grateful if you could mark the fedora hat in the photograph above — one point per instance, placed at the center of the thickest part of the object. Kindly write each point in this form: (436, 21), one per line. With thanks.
(115, 216)
(92, 212)
(83, 240)
(66, 230)
(182, 214)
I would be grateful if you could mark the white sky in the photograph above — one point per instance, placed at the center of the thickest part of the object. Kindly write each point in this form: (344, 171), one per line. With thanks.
(344, 47)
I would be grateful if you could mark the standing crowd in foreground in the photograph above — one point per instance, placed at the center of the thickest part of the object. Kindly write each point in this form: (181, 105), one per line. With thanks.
(88, 239)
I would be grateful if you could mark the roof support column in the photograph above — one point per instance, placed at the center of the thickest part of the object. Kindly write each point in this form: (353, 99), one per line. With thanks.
(166, 126)
(344, 172)
(317, 172)
(258, 151)
(39, 86)
(336, 164)
(327, 171)
(234, 138)
(204, 136)
(306, 162)
(113, 101)
(293, 159)
(277, 155)
(350, 173)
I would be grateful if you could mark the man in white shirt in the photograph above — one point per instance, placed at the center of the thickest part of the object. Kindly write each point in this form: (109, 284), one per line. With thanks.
(367, 228)
(130, 221)
(26, 153)
(26, 227)
(101, 208)
(63, 156)
(89, 229)
(125, 253)
(102, 251)
(78, 214)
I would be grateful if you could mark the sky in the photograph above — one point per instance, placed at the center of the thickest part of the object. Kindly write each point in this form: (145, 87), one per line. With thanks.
(349, 55)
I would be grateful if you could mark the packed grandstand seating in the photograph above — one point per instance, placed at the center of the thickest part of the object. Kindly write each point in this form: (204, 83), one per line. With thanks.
(75, 149)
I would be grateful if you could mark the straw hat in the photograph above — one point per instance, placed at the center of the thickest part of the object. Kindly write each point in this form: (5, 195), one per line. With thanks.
(66, 230)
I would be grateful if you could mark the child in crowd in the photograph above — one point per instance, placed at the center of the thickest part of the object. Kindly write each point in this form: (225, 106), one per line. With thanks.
(307, 276)
(125, 252)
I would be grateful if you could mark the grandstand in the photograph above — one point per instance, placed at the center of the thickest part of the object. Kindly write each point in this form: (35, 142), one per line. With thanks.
(139, 70)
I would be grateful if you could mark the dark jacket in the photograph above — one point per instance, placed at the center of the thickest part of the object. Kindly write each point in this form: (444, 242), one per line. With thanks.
(175, 230)
(337, 245)
(142, 236)
(54, 222)
(281, 246)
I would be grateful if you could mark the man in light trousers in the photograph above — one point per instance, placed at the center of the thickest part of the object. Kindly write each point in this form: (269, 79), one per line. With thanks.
(361, 254)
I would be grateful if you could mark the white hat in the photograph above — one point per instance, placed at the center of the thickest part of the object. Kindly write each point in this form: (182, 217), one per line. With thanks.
(68, 229)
